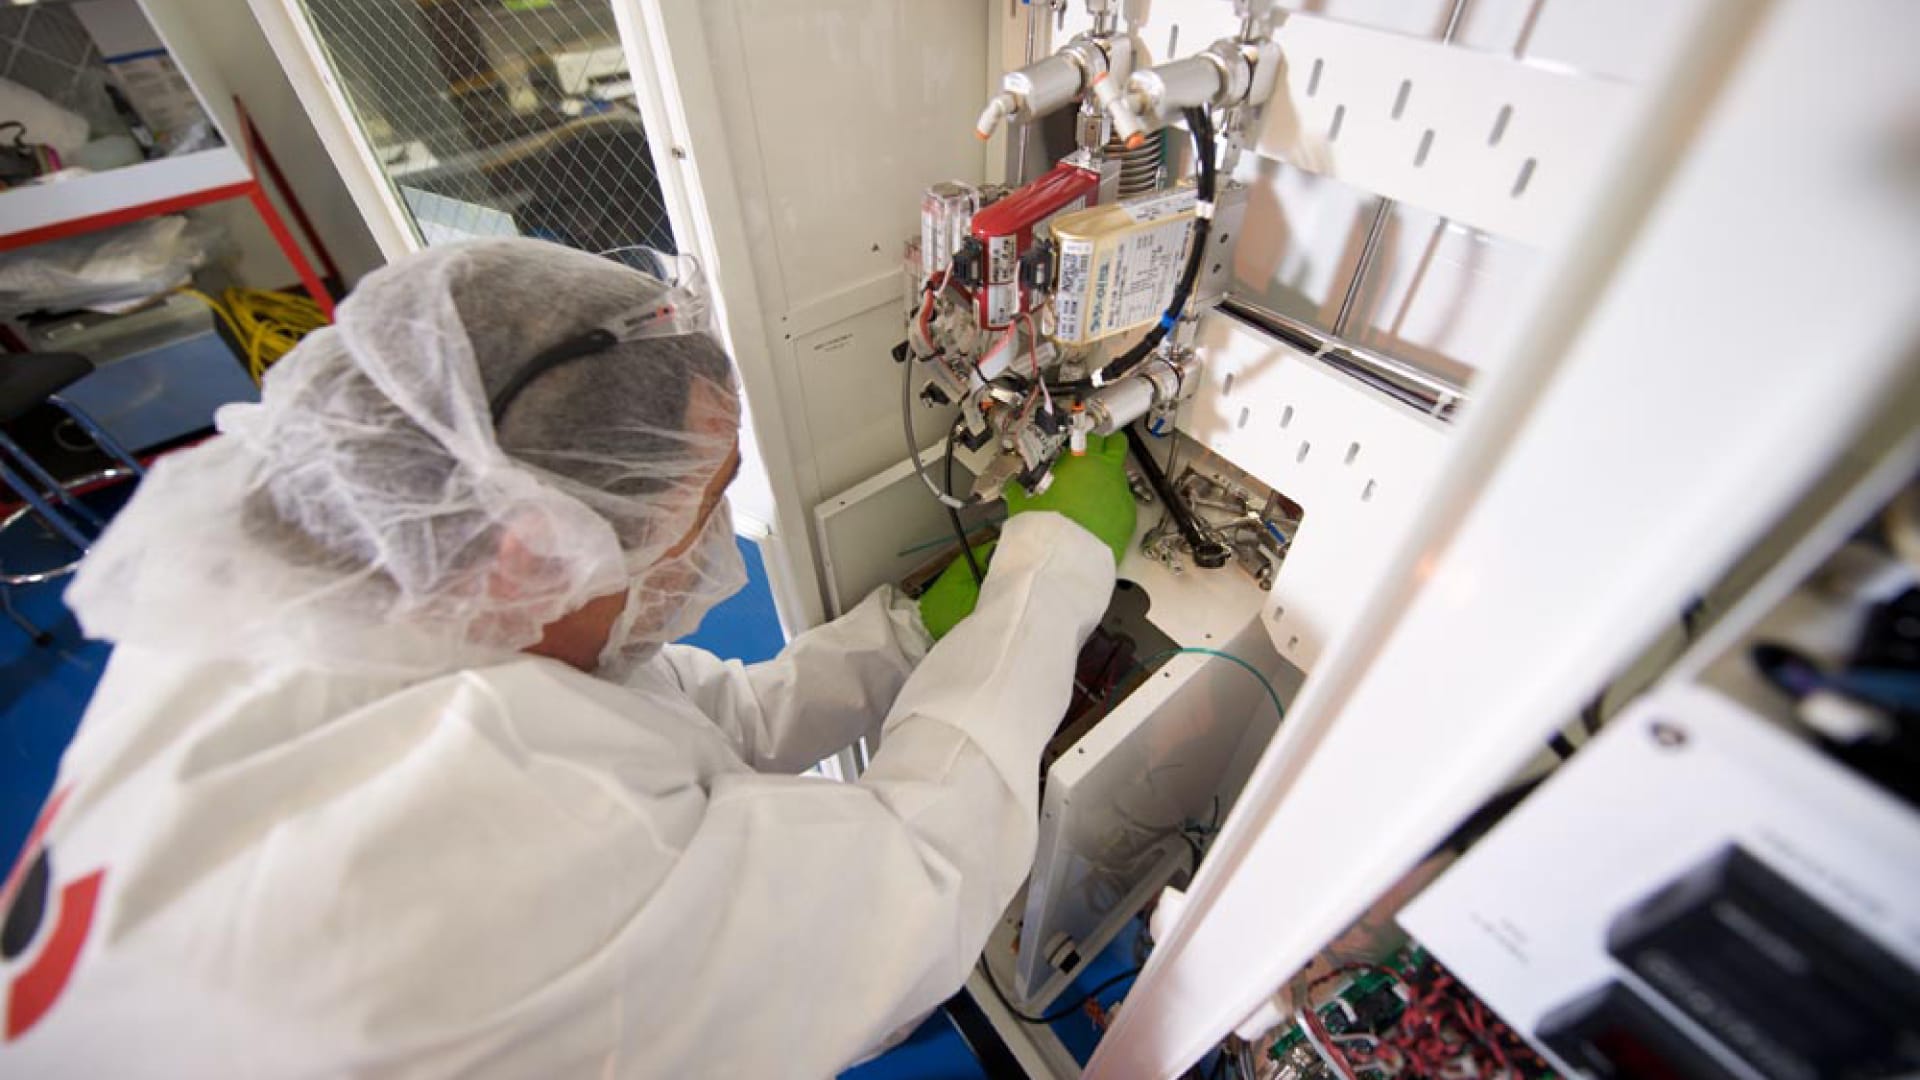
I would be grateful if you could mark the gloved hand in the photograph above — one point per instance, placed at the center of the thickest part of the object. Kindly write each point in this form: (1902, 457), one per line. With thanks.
(1090, 489)
(953, 594)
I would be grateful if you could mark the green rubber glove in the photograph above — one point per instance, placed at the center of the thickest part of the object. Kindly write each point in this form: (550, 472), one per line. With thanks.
(953, 594)
(1090, 489)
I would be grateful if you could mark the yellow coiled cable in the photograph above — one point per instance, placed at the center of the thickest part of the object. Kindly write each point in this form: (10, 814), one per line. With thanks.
(266, 324)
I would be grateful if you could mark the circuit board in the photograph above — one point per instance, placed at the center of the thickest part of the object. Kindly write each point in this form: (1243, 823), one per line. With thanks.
(1406, 1017)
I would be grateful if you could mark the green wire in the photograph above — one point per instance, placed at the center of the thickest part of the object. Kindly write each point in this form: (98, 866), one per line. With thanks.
(944, 538)
(1272, 694)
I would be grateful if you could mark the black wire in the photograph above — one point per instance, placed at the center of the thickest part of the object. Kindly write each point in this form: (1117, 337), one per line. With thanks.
(1590, 715)
(960, 530)
(1482, 821)
(1690, 615)
(40, 637)
(1208, 553)
(1690, 618)
(1193, 846)
(1560, 745)
(1200, 126)
(1065, 1010)
(574, 348)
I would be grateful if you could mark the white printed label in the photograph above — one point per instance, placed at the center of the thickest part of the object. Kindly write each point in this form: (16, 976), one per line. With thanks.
(1069, 298)
(1134, 281)
(1003, 261)
(1003, 303)
(1155, 207)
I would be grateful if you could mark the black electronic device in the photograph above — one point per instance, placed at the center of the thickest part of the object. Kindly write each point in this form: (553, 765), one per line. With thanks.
(1614, 1034)
(1782, 982)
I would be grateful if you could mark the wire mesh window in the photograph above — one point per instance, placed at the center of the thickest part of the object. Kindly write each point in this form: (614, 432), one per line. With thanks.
(136, 104)
(47, 50)
(500, 117)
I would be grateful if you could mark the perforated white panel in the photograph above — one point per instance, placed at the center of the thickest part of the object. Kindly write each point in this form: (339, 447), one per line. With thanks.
(1478, 137)
(1358, 462)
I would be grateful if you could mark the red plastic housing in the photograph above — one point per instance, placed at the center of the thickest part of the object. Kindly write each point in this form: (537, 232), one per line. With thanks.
(1005, 231)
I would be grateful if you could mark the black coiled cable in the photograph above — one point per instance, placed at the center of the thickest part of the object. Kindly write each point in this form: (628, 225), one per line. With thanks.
(953, 516)
(1200, 126)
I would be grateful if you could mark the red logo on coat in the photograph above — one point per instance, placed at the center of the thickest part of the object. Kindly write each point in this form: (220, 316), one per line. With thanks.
(44, 928)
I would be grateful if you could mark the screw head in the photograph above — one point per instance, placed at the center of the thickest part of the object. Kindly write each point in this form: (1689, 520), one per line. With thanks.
(1668, 734)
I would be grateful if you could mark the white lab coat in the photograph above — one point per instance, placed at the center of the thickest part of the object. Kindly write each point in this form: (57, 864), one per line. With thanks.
(523, 870)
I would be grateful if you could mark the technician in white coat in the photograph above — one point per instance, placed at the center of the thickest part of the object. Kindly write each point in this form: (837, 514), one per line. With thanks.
(392, 772)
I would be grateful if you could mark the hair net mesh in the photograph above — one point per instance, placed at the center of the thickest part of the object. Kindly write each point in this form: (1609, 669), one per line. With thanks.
(367, 513)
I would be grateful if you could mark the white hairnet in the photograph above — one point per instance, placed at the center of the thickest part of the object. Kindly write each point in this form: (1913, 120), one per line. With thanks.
(367, 513)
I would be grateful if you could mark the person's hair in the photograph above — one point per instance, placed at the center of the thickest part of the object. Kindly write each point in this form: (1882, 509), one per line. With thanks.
(368, 513)
(574, 420)
(613, 422)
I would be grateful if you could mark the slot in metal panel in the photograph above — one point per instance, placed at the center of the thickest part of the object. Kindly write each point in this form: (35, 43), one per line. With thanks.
(1480, 138)
(1358, 462)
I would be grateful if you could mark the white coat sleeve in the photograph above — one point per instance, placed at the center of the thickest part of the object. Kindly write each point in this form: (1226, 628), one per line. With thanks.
(828, 687)
(848, 910)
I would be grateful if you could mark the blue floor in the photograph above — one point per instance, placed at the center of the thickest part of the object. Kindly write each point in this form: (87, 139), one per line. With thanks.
(745, 627)
(934, 1051)
(44, 690)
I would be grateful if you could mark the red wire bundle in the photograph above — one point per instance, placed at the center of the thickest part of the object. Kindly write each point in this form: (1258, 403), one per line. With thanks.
(1443, 1032)
(1444, 1028)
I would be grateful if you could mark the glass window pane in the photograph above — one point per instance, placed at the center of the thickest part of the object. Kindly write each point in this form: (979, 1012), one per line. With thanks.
(500, 117)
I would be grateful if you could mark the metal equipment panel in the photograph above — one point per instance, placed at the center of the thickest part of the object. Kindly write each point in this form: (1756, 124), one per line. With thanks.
(1173, 754)
(849, 108)
(1630, 449)
(1487, 141)
(876, 532)
(1357, 462)
(850, 395)
(1532, 917)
